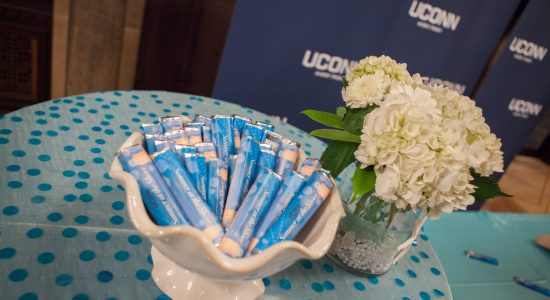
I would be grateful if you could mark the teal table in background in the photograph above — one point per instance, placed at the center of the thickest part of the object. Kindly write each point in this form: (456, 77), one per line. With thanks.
(508, 237)
(64, 232)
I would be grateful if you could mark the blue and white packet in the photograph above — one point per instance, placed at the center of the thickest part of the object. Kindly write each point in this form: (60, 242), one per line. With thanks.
(222, 136)
(155, 193)
(217, 186)
(241, 178)
(195, 208)
(299, 211)
(290, 187)
(257, 201)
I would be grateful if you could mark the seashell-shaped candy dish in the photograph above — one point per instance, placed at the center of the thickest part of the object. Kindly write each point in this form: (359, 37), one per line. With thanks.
(187, 265)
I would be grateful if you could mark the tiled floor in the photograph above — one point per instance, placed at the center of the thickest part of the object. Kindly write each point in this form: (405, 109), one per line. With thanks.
(528, 180)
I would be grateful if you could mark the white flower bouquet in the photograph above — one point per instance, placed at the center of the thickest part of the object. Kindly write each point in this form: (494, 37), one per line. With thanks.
(416, 146)
(420, 151)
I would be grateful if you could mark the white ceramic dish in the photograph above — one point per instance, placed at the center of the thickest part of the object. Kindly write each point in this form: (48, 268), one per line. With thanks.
(188, 266)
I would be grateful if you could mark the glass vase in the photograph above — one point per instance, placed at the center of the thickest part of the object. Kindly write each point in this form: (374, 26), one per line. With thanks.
(374, 235)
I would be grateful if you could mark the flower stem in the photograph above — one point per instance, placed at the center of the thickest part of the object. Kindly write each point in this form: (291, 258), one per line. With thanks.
(393, 212)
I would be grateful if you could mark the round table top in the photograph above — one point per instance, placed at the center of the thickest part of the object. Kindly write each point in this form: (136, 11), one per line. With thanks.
(64, 232)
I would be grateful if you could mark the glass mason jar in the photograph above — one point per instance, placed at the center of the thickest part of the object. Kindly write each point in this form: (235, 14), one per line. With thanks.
(374, 235)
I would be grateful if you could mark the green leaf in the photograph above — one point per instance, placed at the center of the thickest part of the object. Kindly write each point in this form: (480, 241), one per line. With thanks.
(486, 188)
(336, 135)
(363, 180)
(325, 118)
(344, 81)
(341, 111)
(337, 156)
(354, 119)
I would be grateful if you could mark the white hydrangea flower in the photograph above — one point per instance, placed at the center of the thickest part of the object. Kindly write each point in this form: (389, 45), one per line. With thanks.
(396, 138)
(460, 114)
(423, 142)
(370, 79)
(371, 64)
(366, 90)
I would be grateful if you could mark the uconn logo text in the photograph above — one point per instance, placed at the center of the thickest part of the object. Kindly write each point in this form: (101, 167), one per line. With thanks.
(327, 65)
(524, 109)
(432, 17)
(527, 51)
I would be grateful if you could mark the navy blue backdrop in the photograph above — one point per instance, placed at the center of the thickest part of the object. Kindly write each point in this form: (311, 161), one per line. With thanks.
(517, 87)
(282, 57)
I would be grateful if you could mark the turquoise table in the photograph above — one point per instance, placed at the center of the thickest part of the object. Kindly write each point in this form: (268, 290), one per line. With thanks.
(508, 237)
(64, 232)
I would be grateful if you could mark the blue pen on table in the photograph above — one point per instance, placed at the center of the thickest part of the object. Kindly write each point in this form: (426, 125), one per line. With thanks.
(532, 286)
(481, 257)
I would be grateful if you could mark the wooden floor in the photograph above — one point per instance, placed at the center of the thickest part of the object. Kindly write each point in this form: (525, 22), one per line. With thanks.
(528, 180)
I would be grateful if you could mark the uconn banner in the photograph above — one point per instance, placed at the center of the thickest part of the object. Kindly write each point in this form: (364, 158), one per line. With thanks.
(282, 57)
(517, 87)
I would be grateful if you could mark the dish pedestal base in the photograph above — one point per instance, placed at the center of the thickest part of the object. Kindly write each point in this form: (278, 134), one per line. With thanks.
(180, 283)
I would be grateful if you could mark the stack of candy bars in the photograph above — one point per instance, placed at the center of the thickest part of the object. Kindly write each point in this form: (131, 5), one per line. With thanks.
(229, 177)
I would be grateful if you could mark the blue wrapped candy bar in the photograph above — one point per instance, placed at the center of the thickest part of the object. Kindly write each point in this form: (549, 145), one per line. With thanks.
(238, 125)
(308, 166)
(266, 126)
(179, 181)
(202, 119)
(172, 123)
(193, 135)
(161, 144)
(206, 129)
(232, 164)
(254, 131)
(266, 159)
(289, 189)
(286, 157)
(150, 128)
(197, 125)
(177, 136)
(181, 150)
(207, 149)
(197, 168)
(156, 195)
(241, 178)
(274, 140)
(150, 140)
(217, 186)
(239, 122)
(207, 134)
(257, 201)
(299, 211)
(222, 136)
